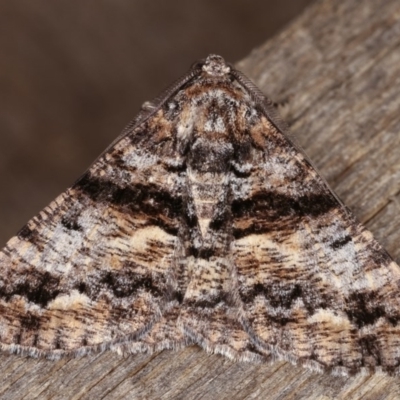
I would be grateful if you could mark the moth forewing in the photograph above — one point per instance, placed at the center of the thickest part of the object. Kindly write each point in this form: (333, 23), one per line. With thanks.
(203, 222)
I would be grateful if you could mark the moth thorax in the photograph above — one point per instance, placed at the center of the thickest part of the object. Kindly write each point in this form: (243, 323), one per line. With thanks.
(210, 156)
(215, 66)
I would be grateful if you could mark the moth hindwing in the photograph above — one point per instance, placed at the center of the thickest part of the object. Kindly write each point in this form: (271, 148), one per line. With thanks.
(203, 223)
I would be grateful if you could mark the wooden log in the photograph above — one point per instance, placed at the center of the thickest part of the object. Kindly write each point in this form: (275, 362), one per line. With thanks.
(335, 72)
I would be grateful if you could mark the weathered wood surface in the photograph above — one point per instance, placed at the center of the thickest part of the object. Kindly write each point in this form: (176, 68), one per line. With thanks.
(336, 73)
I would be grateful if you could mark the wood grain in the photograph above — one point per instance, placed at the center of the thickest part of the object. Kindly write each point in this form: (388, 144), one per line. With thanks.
(335, 72)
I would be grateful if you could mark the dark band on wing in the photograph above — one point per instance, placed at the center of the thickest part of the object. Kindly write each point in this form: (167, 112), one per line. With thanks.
(138, 199)
(285, 296)
(365, 308)
(40, 288)
(267, 208)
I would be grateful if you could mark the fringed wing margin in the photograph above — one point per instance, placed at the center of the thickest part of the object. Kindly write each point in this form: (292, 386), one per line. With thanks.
(96, 267)
(316, 288)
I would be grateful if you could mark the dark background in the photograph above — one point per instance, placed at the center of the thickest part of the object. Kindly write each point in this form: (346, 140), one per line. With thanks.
(73, 73)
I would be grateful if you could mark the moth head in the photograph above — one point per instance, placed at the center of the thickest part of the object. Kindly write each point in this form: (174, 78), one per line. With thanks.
(215, 66)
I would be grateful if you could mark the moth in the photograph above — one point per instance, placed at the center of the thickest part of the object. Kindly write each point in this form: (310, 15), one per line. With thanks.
(203, 223)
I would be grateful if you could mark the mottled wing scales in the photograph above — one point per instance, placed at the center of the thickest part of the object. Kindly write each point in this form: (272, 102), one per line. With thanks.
(210, 315)
(95, 266)
(203, 224)
(164, 334)
(315, 286)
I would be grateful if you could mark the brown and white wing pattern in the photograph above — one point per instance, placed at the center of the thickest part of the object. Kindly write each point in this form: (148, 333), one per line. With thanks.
(315, 286)
(96, 266)
(203, 224)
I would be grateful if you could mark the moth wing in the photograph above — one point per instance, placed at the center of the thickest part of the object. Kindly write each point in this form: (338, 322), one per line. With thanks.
(95, 266)
(316, 287)
(164, 334)
(210, 315)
